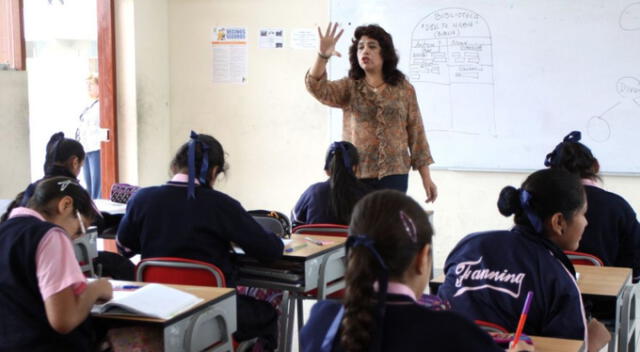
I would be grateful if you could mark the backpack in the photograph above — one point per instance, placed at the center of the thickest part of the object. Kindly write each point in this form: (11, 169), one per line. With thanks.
(273, 221)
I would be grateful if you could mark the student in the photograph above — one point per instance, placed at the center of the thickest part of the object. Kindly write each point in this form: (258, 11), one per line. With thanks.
(331, 201)
(187, 218)
(45, 299)
(613, 232)
(389, 247)
(64, 157)
(488, 274)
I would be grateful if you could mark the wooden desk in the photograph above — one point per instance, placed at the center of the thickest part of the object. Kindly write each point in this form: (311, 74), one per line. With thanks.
(316, 265)
(552, 344)
(210, 322)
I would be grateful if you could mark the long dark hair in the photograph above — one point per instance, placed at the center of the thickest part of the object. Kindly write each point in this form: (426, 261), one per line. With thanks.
(52, 189)
(399, 229)
(574, 157)
(215, 154)
(346, 189)
(550, 191)
(390, 72)
(60, 150)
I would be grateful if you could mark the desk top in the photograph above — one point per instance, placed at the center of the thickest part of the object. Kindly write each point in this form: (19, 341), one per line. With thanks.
(311, 249)
(602, 280)
(210, 295)
(551, 344)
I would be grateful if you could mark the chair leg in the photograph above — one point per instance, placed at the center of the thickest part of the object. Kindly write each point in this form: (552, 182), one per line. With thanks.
(300, 314)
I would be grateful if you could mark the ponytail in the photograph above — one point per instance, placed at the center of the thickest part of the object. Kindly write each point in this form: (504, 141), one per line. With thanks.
(346, 189)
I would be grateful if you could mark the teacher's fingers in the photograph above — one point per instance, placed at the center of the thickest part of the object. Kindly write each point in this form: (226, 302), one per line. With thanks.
(336, 53)
(432, 193)
(326, 33)
(339, 35)
(334, 29)
(320, 33)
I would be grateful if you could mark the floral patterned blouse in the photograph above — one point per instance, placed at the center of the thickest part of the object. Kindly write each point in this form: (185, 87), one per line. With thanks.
(385, 126)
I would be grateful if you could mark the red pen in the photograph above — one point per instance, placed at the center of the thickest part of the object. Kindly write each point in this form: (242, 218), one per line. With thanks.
(523, 317)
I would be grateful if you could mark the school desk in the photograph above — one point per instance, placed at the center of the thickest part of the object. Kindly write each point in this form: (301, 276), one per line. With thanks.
(210, 322)
(306, 268)
(552, 344)
(596, 281)
(114, 212)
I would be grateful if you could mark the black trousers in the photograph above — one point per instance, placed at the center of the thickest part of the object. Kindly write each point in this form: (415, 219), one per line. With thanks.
(257, 319)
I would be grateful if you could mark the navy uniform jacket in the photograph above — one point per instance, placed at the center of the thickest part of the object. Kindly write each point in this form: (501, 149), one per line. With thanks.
(313, 206)
(613, 232)
(161, 222)
(52, 172)
(488, 275)
(408, 326)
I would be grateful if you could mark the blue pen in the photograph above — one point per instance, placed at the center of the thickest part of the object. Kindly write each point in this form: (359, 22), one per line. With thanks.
(127, 287)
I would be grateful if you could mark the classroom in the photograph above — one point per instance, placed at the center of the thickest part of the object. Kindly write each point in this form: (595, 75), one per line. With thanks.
(274, 132)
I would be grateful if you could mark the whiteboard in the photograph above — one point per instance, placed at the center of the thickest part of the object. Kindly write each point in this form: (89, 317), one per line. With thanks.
(500, 83)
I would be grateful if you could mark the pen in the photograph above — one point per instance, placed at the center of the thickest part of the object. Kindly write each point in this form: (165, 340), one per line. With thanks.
(523, 317)
(314, 241)
(291, 249)
(127, 287)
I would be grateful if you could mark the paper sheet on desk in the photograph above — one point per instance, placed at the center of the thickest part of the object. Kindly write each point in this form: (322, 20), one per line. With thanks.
(239, 250)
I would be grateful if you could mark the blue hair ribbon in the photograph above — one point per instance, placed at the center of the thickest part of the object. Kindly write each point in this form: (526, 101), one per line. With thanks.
(525, 202)
(191, 156)
(572, 137)
(346, 159)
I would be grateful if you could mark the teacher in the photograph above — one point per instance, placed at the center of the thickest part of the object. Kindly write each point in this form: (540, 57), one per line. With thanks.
(381, 116)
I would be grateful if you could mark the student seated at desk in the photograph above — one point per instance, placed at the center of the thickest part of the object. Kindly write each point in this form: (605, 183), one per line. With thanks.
(187, 218)
(64, 157)
(44, 298)
(488, 274)
(389, 248)
(613, 232)
(331, 201)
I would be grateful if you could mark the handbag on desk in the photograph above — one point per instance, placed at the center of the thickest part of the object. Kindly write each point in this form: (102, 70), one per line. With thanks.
(121, 192)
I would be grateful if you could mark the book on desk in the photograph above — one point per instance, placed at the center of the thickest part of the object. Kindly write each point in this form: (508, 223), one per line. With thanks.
(150, 300)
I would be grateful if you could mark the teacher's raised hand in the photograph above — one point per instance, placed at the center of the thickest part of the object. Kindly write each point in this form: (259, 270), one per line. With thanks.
(328, 41)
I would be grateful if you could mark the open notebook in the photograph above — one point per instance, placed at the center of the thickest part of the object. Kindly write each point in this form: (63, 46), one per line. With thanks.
(151, 300)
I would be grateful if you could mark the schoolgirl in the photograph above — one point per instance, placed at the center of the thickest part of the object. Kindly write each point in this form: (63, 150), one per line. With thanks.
(613, 232)
(488, 274)
(331, 201)
(388, 266)
(44, 298)
(187, 218)
(64, 157)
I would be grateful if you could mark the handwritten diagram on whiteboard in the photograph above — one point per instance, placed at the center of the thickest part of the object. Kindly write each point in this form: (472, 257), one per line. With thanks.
(500, 83)
(451, 48)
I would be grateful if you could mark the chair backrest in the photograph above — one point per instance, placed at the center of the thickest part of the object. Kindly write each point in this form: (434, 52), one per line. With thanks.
(580, 258)
(179, 271)
(323, 229)
(121, 192)
(491, 327)
(273, 221)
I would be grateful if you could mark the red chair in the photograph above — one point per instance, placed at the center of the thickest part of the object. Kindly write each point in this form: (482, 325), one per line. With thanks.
(179, 271)
(322, 229)
(491, 327)
(580, 258)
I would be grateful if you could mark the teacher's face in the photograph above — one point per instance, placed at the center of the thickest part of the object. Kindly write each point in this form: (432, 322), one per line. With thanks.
(369, 56)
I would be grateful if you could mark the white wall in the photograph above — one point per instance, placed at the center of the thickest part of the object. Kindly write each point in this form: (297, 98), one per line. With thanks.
(274, 132)
(14, 133)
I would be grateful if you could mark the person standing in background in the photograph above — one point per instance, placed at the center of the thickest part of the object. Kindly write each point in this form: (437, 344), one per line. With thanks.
(89, 134)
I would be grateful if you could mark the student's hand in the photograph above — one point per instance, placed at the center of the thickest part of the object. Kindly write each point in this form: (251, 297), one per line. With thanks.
(103, 288)
(599, 335)
(329, 39)
(520, 346)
